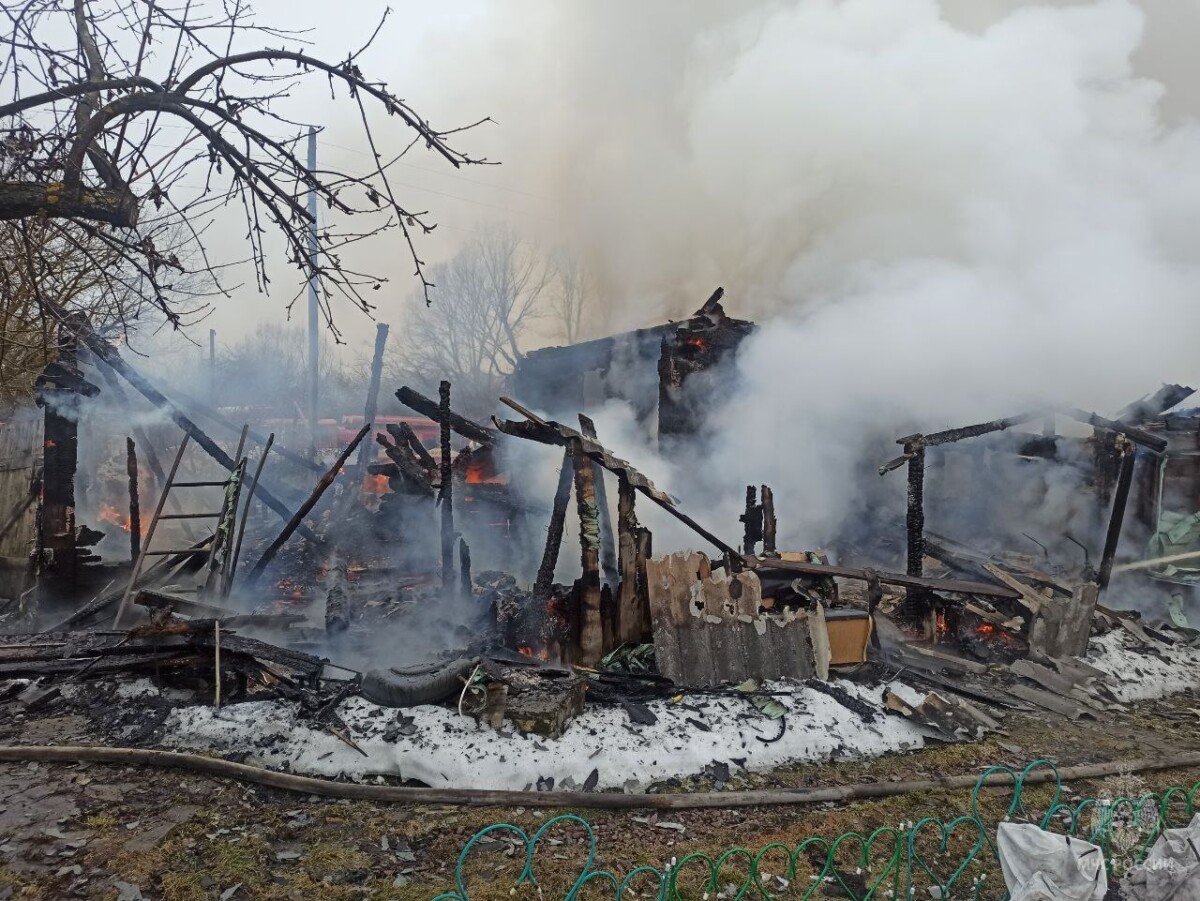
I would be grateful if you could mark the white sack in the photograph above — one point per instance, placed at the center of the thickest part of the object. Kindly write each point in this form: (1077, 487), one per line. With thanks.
(1042, 866)
(1171, 869)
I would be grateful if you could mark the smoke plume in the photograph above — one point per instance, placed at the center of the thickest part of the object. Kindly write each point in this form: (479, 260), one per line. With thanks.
(938, 212)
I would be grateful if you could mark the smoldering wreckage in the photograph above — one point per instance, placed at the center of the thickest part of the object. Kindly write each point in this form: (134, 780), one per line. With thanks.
(230, 594)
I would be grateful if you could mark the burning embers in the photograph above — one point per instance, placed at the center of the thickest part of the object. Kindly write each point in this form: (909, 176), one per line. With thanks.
(111, 515)
(697, 347)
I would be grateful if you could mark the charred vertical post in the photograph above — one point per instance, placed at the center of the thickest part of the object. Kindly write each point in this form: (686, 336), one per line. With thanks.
(135, 506)
(915, 519)
(591, 634)
(446, 494)
(1112, 539)
(558, 520)
(608, 545)
(633, 614)
(297, 520)
(372, 404)
(752, 521)
(60, 456)
(337, 605)
(466, 583)
(767, 501)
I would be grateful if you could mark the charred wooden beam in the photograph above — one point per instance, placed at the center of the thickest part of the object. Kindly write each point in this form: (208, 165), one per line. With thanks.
(295, 522)
(558, 518)
(915, 517)
(237, 547)
(752, 521)
(60, 459)
(108, 355)
(446, 494)
(633, 611)
(403, 435)
(544, 432)
(608, 545)
(465, 583)
(337, 604)
(372, 404)
(591, 637)
(710, 305)
(947, 586)
(1136, 435)
(135, 507)
(113, 385)
(1113, 537)
(414, 475)
(432, 410)
(1161, 400)
(914, 443)
(767, 500)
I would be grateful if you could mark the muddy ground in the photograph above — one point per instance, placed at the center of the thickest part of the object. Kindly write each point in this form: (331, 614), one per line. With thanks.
(89, 831)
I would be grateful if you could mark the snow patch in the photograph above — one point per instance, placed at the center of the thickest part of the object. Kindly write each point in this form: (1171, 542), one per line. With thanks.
(447, 750)
(1141, 674)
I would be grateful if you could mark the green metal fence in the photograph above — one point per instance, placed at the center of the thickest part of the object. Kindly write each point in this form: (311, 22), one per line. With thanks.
(932, 857)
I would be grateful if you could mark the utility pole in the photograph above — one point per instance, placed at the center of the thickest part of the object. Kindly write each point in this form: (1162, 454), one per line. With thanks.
(313, 317)
(212, 366)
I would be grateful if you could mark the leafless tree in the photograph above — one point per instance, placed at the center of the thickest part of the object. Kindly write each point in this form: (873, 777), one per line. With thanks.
(37, 263)
(571, 296)
(85, 144)
(488, 295)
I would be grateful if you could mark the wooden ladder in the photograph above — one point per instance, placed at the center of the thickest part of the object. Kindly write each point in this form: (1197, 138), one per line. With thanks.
(217, 546)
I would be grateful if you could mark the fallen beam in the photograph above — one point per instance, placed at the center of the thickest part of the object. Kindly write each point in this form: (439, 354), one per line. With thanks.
(545, 432)
(949, 586)
(111, 358)
(295, 522)
(430, 409)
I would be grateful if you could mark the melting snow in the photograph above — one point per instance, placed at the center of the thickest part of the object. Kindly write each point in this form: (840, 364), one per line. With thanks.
(452, 751)
(1140, 674)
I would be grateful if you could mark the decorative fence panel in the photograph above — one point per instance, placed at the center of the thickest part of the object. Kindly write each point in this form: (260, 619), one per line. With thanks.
(933, 857)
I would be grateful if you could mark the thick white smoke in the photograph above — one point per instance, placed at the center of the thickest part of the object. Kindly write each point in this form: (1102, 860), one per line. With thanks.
(939, 213)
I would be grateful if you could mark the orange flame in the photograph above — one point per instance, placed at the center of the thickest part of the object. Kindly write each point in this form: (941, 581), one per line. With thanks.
(477, 474)
(110, 514)
(377, 485)
(543, 654)
(986, 630)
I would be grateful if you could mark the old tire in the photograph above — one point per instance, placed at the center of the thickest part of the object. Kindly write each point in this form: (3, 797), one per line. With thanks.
(420, 685)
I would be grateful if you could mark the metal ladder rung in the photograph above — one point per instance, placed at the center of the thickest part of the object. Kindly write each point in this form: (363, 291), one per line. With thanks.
(198, 485)
(186, 550)
(190, 515)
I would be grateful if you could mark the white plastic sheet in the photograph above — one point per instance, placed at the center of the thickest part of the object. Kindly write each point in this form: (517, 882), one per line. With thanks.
(1171, 870)
(1042, 866)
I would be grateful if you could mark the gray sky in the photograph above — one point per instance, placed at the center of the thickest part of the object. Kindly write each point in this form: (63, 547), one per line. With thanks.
(585, 95)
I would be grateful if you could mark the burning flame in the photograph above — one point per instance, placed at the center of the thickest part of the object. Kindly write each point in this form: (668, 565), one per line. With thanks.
(477, 474)
(696, 342)
(110, 514)
(377, 485)
(986, 630)
(543, 654)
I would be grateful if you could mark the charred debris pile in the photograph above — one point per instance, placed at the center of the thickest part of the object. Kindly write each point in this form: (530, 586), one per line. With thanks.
(248, 571)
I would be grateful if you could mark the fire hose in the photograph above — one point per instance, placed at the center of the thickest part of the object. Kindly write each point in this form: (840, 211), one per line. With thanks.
(388, 794)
